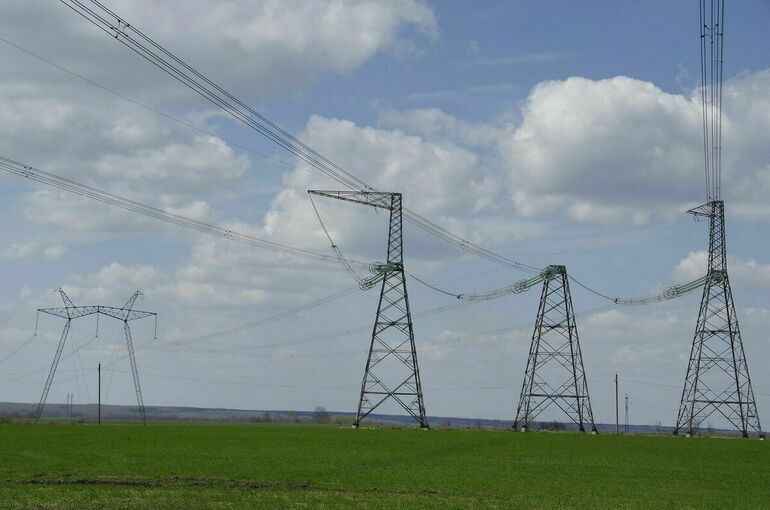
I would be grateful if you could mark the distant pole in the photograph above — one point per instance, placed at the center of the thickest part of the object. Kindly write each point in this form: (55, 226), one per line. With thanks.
(99, 406)
(617, 414)
(626, 413)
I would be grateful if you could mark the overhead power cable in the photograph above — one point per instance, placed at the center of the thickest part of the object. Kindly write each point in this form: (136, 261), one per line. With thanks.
(336, 249)
(165, 115)
(267, 320)
(303, 341)
(712, 16)
(116, 27)
(18, 349)
(69, 185)
(671, 292)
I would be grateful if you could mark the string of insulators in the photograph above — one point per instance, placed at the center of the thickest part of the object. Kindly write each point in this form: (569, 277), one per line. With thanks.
(671, 292)
(550, 272)
(547, 273)
(379, 272)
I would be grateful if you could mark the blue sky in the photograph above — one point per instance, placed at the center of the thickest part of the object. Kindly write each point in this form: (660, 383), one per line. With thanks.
(552, 132)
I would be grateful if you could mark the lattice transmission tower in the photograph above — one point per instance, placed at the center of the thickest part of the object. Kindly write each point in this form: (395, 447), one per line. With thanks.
(555, 374)
(717, 380)
(126, 313)
(391, 368)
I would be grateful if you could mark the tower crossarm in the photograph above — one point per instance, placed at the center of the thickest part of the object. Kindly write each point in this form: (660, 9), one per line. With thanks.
(378, 199)
(124, 315)
(70, 312)
(706, 210)
(74, 312)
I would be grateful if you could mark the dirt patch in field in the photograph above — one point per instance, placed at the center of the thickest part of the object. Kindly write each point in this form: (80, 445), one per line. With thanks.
(180, 482)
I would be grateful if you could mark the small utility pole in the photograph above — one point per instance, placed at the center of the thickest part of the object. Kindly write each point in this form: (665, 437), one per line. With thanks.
(99, 406)
(626, 413)
(617, 415)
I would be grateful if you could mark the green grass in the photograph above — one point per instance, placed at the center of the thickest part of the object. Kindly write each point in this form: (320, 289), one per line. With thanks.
(192, 466)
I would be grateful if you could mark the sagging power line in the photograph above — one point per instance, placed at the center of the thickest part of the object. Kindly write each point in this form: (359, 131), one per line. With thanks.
(78, 188)
(130, 36)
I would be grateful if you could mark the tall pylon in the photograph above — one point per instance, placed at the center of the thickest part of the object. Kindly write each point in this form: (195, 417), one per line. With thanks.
(555, 373)
(391, 368)
(717, 379)
(125, 314)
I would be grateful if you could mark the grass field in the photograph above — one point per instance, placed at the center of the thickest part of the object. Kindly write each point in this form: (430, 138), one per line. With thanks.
(212, 466)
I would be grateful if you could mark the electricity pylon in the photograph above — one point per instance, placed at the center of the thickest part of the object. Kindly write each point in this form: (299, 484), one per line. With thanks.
(717, 379)
(392, 351)
(555, 373)
(126, 313)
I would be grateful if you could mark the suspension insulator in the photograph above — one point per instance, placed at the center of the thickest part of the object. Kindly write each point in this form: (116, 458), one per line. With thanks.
(671, 292)
(717, 277)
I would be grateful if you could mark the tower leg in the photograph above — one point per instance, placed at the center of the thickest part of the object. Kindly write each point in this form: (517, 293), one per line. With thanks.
(392, 351)
(134, 372)
(555, 374)
(52, 371)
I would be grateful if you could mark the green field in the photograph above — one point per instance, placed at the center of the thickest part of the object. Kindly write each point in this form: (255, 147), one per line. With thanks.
(220, 466)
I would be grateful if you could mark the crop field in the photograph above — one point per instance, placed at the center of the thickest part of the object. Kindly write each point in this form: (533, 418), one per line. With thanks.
(248, 466)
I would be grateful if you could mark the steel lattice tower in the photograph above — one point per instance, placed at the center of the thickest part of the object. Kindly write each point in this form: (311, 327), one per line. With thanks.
(391, 367)
(125, 314)
(717, 379)
(555, 373)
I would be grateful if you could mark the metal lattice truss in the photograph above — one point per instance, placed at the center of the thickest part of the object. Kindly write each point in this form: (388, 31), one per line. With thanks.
(125, 313)
(717, 381)
(391, 370)
(555, 375)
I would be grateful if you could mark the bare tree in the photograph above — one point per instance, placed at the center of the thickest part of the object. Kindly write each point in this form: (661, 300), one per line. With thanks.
(320, 415)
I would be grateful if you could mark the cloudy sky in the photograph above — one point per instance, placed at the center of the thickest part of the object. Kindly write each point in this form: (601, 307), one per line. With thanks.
(551, 132)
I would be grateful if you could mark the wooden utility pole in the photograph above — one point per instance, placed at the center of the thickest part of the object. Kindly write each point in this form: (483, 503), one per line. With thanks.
(99, 405)
(617, 417)
(626, 428)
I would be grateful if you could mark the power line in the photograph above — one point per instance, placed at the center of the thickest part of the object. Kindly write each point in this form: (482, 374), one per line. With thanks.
(116, 27)
(77, 188)
(18, 349)
(670, 292)
(147, 107)
(267, 320)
